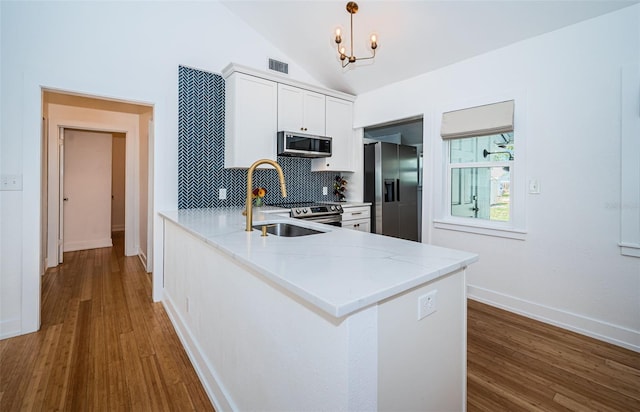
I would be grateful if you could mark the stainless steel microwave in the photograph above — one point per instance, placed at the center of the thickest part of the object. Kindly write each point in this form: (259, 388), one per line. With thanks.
(296, 144)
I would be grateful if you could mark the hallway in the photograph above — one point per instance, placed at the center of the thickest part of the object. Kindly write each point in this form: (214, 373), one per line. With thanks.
(103, 344)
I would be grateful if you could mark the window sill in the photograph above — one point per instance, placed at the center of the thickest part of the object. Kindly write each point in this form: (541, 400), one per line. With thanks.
(487, 230)
(629, 249)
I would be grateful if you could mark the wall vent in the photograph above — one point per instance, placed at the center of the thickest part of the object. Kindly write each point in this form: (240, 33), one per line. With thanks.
(278, 66)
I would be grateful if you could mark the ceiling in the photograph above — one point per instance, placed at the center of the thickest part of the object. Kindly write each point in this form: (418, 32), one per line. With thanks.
(414, 37)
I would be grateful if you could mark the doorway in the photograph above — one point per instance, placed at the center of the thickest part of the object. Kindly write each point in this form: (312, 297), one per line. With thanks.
(93, 185)
(406, 132)
(63, 111)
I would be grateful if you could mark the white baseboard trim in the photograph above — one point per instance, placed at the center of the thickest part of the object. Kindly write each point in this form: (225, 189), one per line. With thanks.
(10, 328)
(143, 259)
(594, 328)
(207, 374)
(87, 244)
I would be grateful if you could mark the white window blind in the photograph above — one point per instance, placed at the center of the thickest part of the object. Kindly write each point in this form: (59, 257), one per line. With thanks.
(478, 121)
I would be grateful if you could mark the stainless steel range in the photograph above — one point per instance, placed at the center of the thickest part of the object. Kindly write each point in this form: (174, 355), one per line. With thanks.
(315, 212)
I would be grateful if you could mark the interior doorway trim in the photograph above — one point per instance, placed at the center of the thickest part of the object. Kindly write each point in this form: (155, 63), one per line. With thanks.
(131, 185)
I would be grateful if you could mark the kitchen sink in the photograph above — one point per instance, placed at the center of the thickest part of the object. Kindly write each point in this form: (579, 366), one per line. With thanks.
(287, 229)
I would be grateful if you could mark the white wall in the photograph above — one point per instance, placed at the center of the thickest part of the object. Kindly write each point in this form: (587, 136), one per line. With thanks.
(138, 62)
(569, 269)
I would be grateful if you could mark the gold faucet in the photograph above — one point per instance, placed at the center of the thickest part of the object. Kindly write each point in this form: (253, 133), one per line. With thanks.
(249, 205)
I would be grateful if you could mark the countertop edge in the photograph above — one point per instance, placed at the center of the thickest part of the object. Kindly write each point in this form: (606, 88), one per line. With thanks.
(337, 311)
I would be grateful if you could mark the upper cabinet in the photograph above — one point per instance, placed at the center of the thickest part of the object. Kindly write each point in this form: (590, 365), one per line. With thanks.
(339, 126)
(259, 104)
(251, 120)
(300, 110)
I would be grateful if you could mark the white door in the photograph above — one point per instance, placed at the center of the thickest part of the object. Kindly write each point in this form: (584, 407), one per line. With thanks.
(86, 218)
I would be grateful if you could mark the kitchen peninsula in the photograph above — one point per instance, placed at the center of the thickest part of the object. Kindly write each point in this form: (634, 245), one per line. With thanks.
(328, 321)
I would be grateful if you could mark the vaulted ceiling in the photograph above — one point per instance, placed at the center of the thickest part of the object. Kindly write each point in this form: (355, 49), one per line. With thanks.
(414, 36)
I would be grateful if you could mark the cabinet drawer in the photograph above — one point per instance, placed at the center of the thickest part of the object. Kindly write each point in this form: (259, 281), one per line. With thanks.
(358, 212)
(363, 225)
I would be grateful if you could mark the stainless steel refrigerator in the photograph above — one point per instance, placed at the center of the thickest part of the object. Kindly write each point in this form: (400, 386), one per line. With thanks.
(391, 185)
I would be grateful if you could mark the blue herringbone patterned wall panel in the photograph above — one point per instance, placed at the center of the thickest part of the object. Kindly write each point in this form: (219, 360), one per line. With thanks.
(201, 169)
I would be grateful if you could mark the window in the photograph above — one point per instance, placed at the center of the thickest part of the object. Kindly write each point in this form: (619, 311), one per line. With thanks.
(482, 192)
(480, 178)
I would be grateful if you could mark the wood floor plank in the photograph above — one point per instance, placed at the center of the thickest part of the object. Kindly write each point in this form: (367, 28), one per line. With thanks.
(12, 376)
(572, 371)
(35, 393)
(78, 392)
(136, 383)
(535, 355)
(103, 345)
(157, 386)
(577, 402)
(55, 397)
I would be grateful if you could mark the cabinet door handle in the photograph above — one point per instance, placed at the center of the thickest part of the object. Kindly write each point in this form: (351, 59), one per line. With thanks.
(356, 213)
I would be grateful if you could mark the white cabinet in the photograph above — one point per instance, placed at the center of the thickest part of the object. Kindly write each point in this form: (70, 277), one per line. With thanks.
(356, 217)
(251, 120)
(258, 105)
(363, 225)
(339, 126)
(300, 110)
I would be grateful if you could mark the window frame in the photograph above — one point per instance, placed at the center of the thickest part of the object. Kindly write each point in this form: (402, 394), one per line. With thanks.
(515, 227)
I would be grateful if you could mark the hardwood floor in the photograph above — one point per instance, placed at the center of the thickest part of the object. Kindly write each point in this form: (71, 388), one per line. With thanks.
(103, 346)
(518, 364)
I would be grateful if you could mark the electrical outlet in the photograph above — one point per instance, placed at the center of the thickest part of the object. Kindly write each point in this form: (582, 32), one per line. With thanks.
(222, 193)
(427, 304)
(325, 191)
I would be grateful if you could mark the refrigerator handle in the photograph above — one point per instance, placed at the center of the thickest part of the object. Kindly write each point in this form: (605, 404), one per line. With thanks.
(397, 190)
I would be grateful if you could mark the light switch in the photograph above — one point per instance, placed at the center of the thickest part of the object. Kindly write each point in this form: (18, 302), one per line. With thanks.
(11, 182)
(534, 187)
(325, 191)
(222, 193)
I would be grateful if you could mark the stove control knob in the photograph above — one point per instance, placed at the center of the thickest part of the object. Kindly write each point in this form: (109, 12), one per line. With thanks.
(297, 211)
(333, 207)
(305, 210)
(339, 208)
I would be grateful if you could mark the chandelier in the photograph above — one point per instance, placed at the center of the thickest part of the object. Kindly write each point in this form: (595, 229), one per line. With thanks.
(352, 8)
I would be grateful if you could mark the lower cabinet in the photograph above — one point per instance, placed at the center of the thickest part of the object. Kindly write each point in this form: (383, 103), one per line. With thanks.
(357, 218)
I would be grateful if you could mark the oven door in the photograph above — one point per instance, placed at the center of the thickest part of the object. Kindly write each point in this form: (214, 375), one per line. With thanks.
(333, 220)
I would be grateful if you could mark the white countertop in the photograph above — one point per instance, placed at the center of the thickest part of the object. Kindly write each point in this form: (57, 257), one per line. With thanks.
(340, 271)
